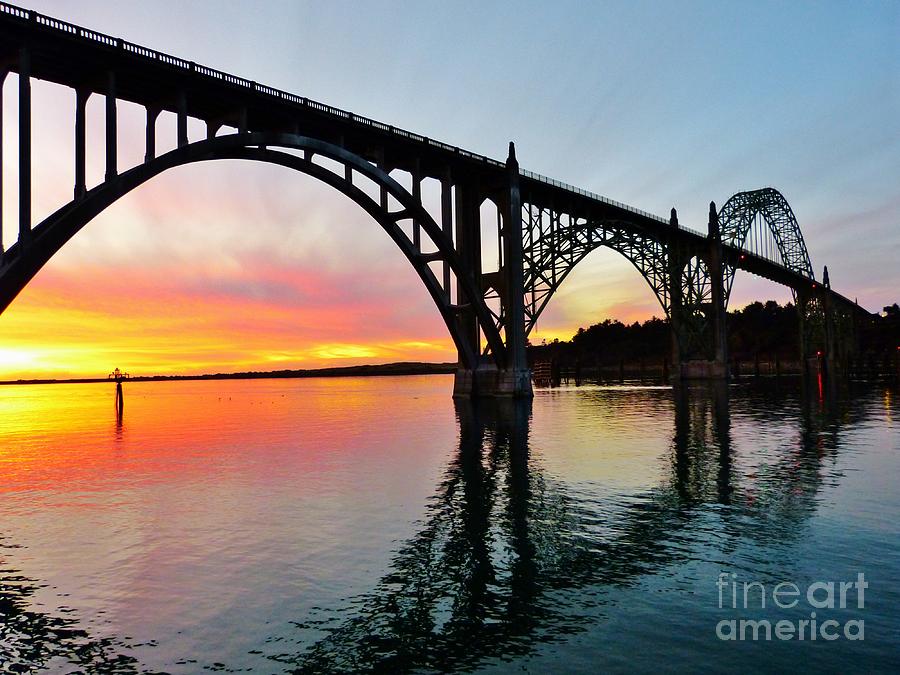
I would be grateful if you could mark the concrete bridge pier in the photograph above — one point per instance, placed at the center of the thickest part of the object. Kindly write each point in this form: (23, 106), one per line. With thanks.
(828, 336)
(488, 381)
(719, 366)
(832, 356)
(675, 272)
(515, 379)
(699, 336)
(512, 377)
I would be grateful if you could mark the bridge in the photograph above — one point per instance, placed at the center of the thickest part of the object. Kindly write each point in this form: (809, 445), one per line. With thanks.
(543, 227)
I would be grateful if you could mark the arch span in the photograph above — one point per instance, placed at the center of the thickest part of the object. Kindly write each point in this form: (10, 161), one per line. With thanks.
(552, 251)
(738, 217)
(27, 256)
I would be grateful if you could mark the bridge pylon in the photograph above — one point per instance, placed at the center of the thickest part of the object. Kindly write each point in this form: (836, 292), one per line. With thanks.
(511, 377)
(697, 291)
(828, 335)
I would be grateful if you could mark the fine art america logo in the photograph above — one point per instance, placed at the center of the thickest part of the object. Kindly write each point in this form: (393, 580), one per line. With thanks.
(817, 601)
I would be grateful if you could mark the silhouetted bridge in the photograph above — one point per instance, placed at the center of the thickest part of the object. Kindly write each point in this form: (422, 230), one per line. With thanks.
(544, 227)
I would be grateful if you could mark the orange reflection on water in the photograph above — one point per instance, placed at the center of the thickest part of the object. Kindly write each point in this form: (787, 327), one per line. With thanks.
(66, 436)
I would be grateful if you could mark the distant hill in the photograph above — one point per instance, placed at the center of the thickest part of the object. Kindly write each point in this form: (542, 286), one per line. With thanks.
(402, 368)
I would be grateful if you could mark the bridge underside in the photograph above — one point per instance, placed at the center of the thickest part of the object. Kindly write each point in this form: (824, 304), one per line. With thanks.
(543, 227)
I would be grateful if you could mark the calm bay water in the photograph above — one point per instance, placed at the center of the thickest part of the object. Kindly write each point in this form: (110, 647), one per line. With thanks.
(372, 524)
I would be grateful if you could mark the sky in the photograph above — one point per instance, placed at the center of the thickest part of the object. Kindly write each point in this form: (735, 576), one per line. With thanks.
(238, 266)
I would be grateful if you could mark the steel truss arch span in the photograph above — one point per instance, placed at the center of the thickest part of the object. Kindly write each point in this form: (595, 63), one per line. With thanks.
(738, 217)
(553, 248)
(24, 259)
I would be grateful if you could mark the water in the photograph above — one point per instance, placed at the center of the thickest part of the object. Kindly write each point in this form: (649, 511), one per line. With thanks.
(371, 524)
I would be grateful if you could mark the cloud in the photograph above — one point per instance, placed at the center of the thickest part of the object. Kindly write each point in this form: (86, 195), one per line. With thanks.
(249, 315)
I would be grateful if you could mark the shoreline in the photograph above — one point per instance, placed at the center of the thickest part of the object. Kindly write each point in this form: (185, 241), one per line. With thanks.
(386, 369)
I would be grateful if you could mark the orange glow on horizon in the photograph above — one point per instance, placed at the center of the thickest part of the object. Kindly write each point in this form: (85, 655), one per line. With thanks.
(67, 325)
(253, 316)
(243, 312)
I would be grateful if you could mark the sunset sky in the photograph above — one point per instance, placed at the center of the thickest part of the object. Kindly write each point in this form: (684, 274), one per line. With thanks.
(237, 266)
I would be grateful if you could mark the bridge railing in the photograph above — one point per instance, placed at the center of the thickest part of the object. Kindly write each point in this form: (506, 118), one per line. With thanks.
(592, 195)
(93, 36)
(194, 68)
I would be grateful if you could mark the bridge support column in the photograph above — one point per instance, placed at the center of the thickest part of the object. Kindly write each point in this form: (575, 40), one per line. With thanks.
(676, 301)
(516, 381)
(468, 245)
(182, 115)
(511, 377)
(112, 164)
(150, 134)
(447, 225)
(840, 331)
(81, 99)
(24, 146)
(816, 330)
(831, 352)
(699, 325)
(717, 289)
(3, 73)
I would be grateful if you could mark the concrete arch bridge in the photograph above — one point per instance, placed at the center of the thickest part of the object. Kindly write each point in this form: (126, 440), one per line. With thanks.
(544, 227)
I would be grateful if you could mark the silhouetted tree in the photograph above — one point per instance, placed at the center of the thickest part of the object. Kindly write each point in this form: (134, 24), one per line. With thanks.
(765, 331)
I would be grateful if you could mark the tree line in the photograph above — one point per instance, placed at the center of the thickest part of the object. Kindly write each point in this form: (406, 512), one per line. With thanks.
(761, 330)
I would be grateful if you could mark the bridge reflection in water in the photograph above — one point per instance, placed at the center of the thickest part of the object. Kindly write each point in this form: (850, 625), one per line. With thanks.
(507, 559)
